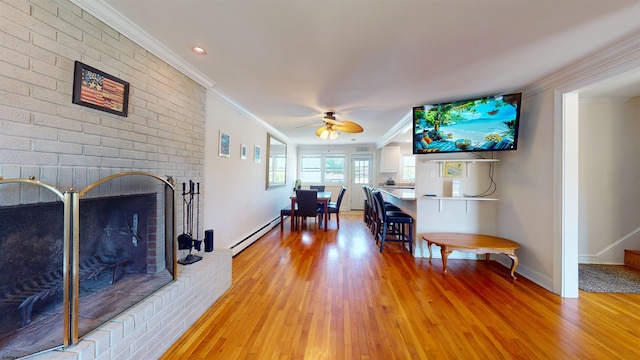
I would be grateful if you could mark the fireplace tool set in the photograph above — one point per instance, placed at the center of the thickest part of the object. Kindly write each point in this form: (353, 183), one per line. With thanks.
(187, 240)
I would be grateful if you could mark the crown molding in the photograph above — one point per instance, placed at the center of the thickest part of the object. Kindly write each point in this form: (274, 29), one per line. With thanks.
(216, 92)
(118, 22)
(617, 59)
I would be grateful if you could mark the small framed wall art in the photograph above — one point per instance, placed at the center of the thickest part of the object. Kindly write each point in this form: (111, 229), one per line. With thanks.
(224, 145)
(98, 90)
(452, 169)
(243, 151)
(256, 154)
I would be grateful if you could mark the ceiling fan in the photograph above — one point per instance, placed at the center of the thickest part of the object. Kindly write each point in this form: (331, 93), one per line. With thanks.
(332, 126)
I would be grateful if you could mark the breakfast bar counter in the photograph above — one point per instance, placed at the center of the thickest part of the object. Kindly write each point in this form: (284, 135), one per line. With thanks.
(400, 194)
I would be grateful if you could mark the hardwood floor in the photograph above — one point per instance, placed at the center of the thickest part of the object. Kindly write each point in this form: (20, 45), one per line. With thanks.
(332, 295)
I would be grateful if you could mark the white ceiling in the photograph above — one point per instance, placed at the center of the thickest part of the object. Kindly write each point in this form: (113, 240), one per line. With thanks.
(287, 61)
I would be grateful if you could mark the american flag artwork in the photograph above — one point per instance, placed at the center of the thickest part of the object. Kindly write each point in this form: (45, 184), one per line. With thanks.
(96, 89)
(99, 90)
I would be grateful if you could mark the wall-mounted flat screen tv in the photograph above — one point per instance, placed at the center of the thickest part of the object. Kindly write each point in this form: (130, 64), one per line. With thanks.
(482, 124)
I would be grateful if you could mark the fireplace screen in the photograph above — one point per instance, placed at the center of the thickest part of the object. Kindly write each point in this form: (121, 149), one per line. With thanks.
(71, 262)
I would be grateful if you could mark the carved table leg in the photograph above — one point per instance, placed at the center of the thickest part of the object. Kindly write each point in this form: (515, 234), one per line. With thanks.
(444, 252)
(514, 265)
(429, 247)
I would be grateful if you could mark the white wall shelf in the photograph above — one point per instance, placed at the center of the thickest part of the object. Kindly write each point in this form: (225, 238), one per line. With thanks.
(470, 198)
(466, 161)
(463, 160)
(441, 199)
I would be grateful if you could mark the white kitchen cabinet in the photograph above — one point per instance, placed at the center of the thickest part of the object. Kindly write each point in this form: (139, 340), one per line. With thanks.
(390, 159)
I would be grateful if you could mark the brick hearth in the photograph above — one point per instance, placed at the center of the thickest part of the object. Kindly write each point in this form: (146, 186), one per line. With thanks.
(149, 328)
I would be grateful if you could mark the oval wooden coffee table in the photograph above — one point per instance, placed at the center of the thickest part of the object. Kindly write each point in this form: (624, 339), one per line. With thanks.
(476, 243)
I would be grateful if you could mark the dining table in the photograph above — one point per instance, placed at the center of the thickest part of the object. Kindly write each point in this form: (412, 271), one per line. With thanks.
(323, 199)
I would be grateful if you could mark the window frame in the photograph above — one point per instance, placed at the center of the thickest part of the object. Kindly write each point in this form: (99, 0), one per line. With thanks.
(403, 166)
(323, 167)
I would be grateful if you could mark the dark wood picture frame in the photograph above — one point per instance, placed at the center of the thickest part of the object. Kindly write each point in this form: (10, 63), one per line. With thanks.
(99, 90)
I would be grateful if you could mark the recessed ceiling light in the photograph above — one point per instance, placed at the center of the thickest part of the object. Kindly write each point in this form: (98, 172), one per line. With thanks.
(198, 50)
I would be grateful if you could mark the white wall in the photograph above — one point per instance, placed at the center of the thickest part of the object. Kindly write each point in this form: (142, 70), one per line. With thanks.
(525, 188)
(538, 207)
(238, 203)
(609, 172)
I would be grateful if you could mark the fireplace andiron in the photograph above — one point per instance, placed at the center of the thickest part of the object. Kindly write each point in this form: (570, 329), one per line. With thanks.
(186, 240)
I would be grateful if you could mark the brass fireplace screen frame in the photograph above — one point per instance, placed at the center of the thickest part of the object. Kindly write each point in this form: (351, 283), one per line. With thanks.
(71, 241)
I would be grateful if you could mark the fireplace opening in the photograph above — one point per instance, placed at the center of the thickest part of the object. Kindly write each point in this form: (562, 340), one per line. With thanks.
(31, 260)
(123, 258)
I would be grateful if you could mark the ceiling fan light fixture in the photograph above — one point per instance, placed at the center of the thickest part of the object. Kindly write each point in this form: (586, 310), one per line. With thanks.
(332, 127)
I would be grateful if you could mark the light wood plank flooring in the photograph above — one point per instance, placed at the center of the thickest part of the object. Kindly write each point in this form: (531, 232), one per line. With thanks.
(317, 295)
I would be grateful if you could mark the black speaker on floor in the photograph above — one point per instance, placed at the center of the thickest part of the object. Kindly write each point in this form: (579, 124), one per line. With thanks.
(208, 240)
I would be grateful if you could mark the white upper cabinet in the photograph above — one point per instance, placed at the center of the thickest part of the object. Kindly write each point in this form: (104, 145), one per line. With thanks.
(390, 159)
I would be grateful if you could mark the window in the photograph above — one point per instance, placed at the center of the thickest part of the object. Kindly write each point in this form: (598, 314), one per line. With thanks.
(310, 168)
(408, 168)
(334, 169)
(278, 166)
(361, 171)
(322, 168)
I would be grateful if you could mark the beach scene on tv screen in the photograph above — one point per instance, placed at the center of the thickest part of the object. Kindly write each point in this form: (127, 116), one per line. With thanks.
(486, 124)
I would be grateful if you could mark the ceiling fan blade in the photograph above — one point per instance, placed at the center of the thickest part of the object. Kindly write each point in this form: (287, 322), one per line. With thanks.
(307, 125)
(348, 126)
(332, 121)
(320, 130)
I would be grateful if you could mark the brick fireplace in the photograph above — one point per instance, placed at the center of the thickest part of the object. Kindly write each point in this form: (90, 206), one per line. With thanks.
(76, 263)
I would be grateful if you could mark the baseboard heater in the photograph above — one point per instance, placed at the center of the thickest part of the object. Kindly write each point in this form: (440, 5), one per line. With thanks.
(244, 243)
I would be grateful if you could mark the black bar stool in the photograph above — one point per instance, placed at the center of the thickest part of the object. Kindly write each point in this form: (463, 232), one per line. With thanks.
(391, 224)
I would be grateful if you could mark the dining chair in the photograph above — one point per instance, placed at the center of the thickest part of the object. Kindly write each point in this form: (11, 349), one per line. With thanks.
(391, 224)
(287, 212)
(307, 202)
(319, 188)
(334, 207)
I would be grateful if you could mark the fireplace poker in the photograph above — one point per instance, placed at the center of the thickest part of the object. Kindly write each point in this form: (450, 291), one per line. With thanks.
(198, 209)
(191, 191)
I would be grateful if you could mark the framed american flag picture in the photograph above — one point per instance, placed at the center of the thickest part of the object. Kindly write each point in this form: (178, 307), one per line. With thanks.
(98, 90)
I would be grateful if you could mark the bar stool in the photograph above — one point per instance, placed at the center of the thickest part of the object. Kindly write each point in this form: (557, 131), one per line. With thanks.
(367, 210)
(391, 224)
